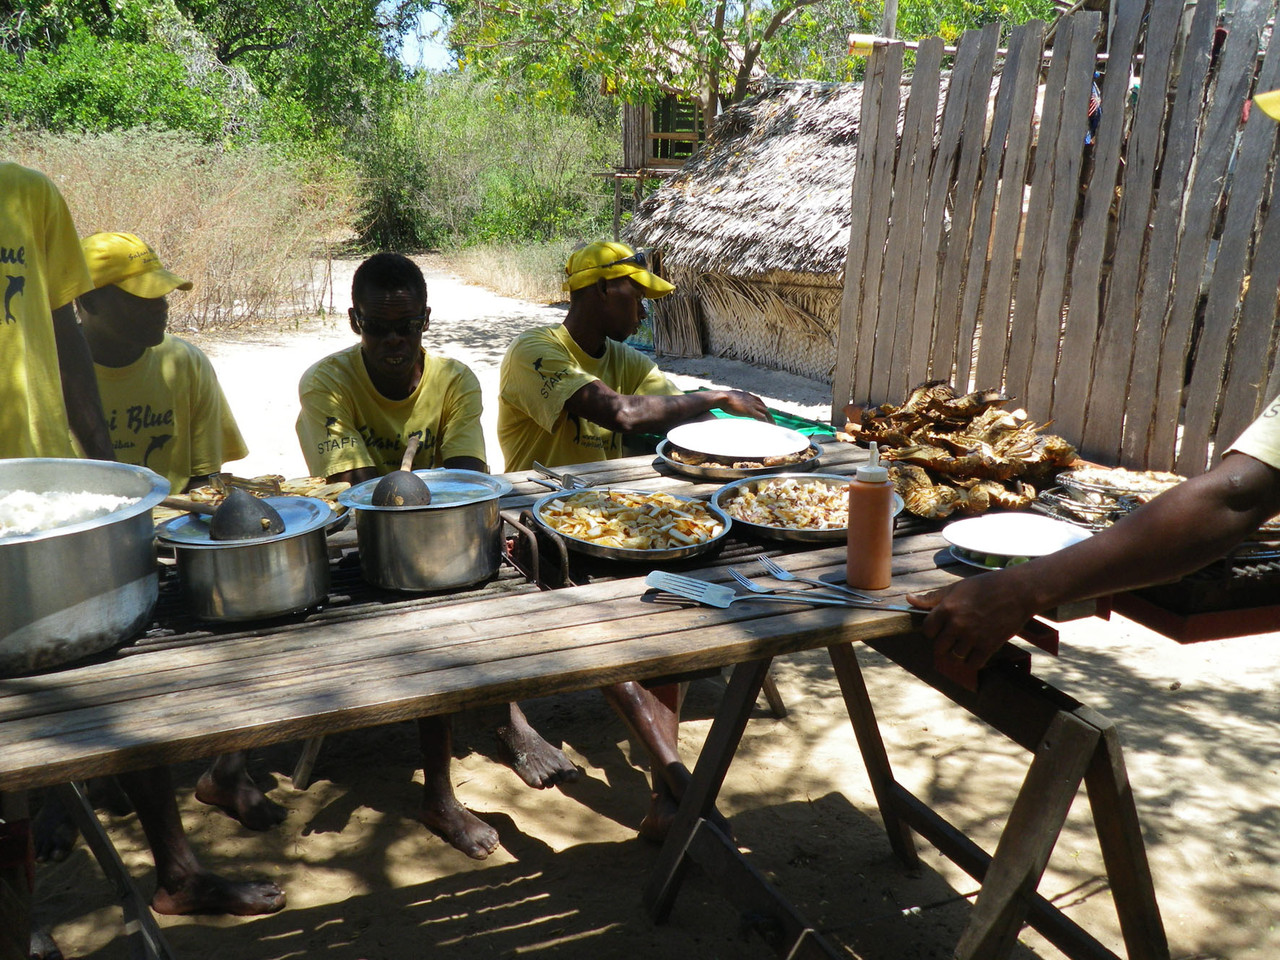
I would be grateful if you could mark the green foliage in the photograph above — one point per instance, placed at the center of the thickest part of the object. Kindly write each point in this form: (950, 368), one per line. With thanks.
(93, 84)
(449, 161)
(950, 18)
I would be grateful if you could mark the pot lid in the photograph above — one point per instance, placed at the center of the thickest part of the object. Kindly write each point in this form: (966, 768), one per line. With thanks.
(300, 515)
(449, 488)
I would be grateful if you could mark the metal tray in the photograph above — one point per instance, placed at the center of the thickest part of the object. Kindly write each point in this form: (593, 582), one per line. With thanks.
(623, 553)
(831, 534)
(720, 473)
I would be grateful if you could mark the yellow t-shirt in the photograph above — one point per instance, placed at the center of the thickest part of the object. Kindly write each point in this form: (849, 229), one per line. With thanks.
(1261, 439)
(543, 368)
(347, 424)
(41, 268)
(167, 411)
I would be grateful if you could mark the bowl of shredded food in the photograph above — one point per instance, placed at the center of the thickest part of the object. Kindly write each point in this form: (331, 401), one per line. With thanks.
(632, 524)
(809, 507)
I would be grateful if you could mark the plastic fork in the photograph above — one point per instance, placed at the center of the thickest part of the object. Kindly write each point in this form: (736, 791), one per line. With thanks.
(772, 568)
(807, 595)
(719, 595)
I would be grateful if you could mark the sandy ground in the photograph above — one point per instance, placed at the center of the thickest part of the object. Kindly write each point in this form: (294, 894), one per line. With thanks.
(1199, 726)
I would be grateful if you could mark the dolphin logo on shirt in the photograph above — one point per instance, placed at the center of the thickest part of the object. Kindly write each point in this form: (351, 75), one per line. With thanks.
(12, 289)
(157, 443)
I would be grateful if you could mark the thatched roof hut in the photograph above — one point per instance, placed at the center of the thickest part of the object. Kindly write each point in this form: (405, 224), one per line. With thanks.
(754, 230)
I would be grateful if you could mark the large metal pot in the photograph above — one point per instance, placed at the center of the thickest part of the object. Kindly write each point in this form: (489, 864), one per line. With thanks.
(254, 579)
(454, 541)
(74, 590)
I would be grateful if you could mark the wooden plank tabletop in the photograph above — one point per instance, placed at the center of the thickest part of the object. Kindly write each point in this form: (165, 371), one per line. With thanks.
(329, 675)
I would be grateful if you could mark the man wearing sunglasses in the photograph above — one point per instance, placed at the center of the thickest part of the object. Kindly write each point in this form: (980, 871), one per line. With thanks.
(360, 406)
(567, 394)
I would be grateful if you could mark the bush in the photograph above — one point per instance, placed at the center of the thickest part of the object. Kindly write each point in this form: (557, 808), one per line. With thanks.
(245, 226)
(95, 84)
(450, 161)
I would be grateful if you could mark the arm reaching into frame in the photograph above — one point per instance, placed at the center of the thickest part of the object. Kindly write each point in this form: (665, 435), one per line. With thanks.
(1176, 533)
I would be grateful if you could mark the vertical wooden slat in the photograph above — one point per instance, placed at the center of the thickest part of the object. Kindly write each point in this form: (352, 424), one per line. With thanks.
(874, 319)
(1257, 340)
(1109, 394)
(958, 247)
(1067, 165)
(911, 181)
(1146, 406)
(1028, 41)
(935, 212)
(844, 375)
(1217, 141)
(985, 210)
(1035, 233)
(1075, 381)
(1256, 145)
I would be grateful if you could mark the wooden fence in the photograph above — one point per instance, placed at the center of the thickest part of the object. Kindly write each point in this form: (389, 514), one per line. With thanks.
(1125, 289)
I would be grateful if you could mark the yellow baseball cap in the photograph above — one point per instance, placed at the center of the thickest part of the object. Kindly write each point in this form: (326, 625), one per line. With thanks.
(606, 260)
(128, 263)
(1269, 103)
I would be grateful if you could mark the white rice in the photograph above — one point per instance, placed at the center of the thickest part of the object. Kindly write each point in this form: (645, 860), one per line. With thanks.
(25, 511)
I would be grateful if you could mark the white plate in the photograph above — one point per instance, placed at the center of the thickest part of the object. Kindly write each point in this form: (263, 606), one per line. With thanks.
(1003, 535)
(739, 439)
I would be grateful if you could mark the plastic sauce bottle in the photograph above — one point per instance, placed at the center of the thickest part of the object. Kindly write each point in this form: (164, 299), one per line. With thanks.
(870, 526)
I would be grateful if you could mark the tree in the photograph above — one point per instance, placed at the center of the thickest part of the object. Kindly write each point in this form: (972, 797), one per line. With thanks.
(710, 48)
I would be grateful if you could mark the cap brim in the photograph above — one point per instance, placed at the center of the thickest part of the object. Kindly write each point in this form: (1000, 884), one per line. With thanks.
(654, 286)
(154, 284)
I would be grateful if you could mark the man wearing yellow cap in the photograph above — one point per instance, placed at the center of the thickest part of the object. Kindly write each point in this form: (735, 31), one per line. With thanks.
(566, 395)
(1177, 533)
(47, 389)
(164, 406)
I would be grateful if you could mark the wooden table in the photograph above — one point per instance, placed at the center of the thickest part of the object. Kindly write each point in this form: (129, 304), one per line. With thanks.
(331, 672)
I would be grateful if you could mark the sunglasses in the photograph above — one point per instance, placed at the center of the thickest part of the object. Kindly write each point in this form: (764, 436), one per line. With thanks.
(640, 258)
(403, 328)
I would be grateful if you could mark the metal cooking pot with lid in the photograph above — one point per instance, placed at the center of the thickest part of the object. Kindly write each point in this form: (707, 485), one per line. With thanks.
(74, 590)
(254, 579)
(454, 541)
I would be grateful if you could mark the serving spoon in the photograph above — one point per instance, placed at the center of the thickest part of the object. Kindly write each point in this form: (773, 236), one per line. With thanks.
(241, 516)
(403, 487)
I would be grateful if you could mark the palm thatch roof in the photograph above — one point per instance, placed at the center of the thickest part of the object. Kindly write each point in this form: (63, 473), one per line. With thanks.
(769, 191)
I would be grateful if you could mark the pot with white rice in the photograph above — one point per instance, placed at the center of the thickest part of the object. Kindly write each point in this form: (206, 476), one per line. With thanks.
(77, 558)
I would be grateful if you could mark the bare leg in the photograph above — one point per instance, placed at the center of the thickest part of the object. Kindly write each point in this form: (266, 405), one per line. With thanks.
(228, 786)
(538, 763)
(183, 886)
(441, 812)
(653, 717)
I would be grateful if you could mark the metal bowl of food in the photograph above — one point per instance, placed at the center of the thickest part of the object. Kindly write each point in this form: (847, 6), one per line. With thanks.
(806, 507)
(632, 525)
(270, 576)
(718, 469)
(72, 588)
(454, 541)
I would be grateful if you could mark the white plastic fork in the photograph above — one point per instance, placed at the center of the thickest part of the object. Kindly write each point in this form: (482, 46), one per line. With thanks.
(772, 568)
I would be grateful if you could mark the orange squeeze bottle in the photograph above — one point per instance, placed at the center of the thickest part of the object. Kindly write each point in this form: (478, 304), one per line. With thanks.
(870, 525)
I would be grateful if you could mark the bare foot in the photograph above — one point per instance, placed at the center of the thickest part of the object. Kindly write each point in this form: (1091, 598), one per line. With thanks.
(242, 800)
(460, 828)
(42, 946)
(53, 832)
(538, 763)
(662, 813)
(210, 893)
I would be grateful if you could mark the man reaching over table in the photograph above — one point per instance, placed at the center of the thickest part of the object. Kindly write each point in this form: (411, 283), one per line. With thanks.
(360, 406)
(1177, 533)
(567, 394)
